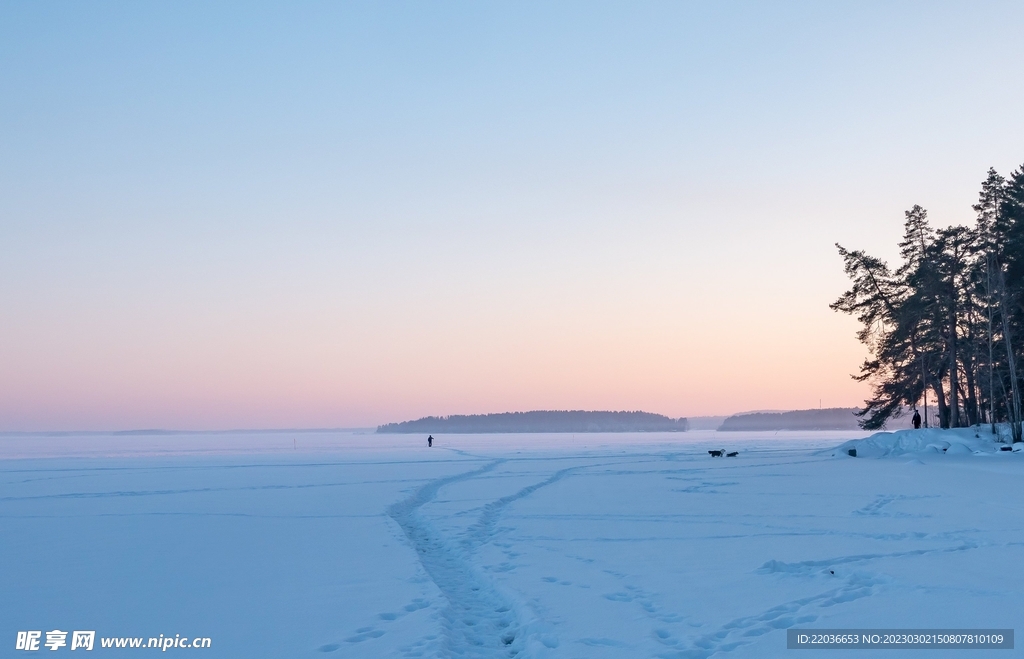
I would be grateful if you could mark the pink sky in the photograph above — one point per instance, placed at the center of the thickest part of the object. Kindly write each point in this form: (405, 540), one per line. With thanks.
(360, 214)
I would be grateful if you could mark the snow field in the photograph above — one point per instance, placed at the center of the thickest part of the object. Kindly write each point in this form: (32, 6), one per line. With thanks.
(507, 546)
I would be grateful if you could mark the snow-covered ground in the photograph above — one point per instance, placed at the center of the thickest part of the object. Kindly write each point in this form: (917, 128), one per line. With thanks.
(641, 545)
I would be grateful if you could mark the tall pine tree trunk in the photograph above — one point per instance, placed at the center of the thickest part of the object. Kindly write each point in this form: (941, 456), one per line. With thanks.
(940, 398)
(991, 347)
(924, 391)
(1011, 360)
(954, 403)
(971, 396)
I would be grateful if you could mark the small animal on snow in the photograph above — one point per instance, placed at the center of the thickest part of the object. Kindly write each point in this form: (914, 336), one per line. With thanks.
(716, 454)
(732, 455)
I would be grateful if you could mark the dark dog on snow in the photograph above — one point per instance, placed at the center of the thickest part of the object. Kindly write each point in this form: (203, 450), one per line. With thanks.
(716, 454)
(732, 455)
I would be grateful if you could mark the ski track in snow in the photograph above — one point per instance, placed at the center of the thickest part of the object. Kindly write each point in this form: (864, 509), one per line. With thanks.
(745, 630)
(484, 528)
(478, 621)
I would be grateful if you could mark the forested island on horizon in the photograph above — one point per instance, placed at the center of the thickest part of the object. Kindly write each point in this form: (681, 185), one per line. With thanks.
(834, 418)
(580, 421)
(540, 421)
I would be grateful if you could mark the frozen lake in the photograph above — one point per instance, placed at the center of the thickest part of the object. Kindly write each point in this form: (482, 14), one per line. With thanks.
(639, 545)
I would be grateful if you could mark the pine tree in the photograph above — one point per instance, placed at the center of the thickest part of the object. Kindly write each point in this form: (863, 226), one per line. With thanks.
(1009, 228)
(948, 320)
(987, 208)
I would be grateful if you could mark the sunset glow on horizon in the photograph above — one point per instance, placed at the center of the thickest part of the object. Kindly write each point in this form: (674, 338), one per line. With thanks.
(345, 215)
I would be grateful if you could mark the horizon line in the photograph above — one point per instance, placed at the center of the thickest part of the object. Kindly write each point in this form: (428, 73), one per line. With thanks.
(169, 431)
(166, 431)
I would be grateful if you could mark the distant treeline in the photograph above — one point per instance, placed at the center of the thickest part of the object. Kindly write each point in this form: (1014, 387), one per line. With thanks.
(833, 418)
(945, 327)
(540, 421)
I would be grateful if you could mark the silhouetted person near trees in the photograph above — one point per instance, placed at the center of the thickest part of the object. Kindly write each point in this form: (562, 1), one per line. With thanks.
(430, 441)
(917, 420)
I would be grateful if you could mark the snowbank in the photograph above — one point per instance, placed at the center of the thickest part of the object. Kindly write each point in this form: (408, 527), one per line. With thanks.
(976, 440)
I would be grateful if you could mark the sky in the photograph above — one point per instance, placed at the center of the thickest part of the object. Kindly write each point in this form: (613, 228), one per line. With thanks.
(298, 215)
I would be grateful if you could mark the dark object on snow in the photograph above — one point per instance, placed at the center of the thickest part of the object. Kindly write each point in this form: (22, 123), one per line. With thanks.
(716, 454)
(1005, 448)
(831, 571)
(917, 420)
(852, 453)
(732, 455)
(430, 441)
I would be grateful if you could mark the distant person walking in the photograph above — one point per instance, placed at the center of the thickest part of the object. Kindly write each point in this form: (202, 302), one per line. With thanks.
(430, 441)
(917, 420)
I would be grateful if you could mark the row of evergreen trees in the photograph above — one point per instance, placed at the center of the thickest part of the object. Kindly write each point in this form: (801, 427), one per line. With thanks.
(946, 328)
